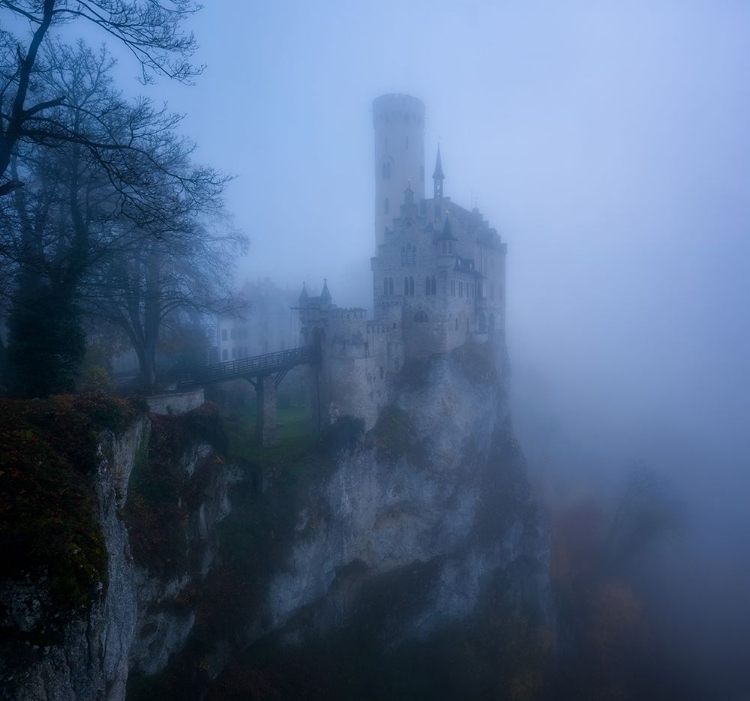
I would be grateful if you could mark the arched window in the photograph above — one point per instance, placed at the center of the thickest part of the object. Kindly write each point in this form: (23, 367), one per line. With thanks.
(386, 170)
(390, 286)
(411, 286)
(420, 317)
(414, 255)
(492, 325)
(406, 286)
(385, 206)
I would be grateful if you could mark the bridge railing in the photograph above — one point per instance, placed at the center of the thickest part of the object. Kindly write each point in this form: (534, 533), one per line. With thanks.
(244, 367)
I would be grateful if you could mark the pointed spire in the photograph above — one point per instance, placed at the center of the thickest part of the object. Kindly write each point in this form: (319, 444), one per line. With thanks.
(325, 294)
(303, 296)
(438, 174)
(438, 178)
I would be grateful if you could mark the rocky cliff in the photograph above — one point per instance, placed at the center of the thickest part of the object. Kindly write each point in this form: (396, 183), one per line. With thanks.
(436, 492)
(66, 636)
(420, 530)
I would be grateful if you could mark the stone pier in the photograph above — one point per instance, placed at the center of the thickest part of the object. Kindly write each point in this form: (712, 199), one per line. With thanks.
(266, 427)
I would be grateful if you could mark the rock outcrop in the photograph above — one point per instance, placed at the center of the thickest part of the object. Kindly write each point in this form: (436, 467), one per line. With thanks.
(135, 620)
(434, 501)
(398, 533)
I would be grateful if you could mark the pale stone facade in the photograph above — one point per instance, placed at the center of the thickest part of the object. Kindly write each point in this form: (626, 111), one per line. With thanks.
(263, 323)
(438, 279)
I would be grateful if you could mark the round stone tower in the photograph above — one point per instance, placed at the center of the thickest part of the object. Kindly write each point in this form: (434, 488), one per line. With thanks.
(399, 156)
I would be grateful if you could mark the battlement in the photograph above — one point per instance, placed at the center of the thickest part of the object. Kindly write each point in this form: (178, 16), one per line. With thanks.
(395, 105)
(347, 313)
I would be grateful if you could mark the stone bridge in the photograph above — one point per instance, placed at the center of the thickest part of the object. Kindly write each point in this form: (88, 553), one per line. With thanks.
(265, 372)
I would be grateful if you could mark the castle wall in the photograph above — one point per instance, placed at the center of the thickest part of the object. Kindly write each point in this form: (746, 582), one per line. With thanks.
(352, 377)
(438, 278)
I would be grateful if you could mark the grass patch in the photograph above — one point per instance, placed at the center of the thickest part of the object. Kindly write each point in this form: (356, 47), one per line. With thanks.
(296, 436)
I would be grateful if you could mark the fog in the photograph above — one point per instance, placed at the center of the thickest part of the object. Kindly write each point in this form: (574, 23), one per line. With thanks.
(608, 145)
(607, 142)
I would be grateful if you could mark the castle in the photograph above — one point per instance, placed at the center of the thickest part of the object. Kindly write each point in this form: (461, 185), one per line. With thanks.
(438, 279)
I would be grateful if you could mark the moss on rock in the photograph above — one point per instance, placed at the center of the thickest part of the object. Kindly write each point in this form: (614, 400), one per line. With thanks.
(49, 528)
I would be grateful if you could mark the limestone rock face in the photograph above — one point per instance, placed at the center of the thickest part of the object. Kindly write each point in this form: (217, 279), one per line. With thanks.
(89, 657)
(134, 624)
(434, 501)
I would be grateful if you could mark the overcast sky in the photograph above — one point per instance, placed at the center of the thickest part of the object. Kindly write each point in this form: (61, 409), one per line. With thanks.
(608, 142)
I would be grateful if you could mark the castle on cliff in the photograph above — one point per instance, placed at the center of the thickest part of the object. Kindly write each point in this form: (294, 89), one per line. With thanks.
(438, 278)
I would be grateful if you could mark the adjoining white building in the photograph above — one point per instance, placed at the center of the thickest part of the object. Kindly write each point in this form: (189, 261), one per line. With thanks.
(264, 322)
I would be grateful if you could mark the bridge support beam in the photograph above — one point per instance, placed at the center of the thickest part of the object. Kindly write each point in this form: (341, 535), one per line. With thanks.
(266, 427)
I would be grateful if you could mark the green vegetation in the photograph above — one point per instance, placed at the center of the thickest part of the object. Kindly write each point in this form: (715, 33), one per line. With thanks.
(48, 508)
(296, 436)
(497, 653)
(393, 436)
(253, 539)
(161, 496)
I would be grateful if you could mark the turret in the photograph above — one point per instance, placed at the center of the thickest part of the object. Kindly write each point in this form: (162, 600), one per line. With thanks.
(437, 178)
(399, 156)
(325, 295)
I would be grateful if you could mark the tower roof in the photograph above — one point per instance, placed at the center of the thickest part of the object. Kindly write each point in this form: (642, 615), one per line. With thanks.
(325, 294)
(438, 174)
(447, 232)
(303, 295)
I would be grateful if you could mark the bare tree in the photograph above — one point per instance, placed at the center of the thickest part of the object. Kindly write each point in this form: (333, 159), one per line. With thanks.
(119, 233)
(140, 289)
(150, 29)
